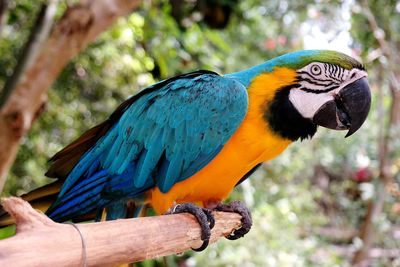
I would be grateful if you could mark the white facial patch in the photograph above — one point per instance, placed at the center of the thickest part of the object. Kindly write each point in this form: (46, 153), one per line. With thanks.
(320, 83)
(308, 103)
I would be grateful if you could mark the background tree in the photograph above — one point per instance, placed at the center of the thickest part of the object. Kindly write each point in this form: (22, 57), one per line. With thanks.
(376, 27)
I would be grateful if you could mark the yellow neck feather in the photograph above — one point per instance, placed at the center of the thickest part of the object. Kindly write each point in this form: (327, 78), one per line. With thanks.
(255, 128)
(263, 87)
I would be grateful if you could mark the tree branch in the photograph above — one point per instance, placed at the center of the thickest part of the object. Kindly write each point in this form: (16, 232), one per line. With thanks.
(41, 242)
(3, 14)
(78, 27)
(38, 34)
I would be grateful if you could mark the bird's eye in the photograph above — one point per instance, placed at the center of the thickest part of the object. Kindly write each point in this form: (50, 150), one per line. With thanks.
(316, 70)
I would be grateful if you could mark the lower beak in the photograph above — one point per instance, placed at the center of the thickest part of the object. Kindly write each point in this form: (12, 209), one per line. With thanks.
(348, 110)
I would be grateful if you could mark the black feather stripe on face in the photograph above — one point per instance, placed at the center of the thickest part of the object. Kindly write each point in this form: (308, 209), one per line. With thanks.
(284, 119)
(321, 78)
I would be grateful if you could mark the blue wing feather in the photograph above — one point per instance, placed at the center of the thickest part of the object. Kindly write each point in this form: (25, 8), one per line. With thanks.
(166, 135)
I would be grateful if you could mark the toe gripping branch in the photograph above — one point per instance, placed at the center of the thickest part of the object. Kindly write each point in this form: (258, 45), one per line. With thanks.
(207, 221)
(203, 216)
(240, 208)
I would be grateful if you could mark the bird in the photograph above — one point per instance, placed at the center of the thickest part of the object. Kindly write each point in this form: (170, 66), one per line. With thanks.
(184, 143)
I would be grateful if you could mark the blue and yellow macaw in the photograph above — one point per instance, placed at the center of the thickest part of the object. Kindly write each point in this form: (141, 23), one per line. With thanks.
(194, 137)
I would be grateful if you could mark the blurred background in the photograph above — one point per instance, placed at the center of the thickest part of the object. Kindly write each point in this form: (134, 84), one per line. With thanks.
(326, 202)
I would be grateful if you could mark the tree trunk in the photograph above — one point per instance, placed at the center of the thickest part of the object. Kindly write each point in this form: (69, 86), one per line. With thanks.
(78, 27)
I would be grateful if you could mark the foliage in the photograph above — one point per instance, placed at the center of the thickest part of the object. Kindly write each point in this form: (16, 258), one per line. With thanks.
(290, 196)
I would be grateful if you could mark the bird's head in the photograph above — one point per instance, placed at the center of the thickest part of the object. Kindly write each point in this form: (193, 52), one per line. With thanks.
(315, 87)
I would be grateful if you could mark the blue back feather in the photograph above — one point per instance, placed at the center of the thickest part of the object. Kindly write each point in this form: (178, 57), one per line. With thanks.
(165, 136)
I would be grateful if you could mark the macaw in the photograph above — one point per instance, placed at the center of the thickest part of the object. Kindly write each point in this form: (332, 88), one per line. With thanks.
(192, 138)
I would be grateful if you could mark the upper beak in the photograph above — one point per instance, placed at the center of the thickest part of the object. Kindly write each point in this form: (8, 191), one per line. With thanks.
(348, 110)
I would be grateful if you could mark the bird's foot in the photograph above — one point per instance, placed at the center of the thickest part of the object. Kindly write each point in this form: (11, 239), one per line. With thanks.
(203, 216)
(240, 208)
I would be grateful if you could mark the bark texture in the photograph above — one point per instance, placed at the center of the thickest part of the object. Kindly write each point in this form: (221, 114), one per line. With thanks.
(41, 242)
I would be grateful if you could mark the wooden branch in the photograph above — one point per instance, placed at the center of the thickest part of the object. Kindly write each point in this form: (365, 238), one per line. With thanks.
(38, 34)
(78, 27)
(41, 242)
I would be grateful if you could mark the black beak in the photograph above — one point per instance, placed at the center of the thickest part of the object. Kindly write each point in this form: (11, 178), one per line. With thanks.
(349, 109)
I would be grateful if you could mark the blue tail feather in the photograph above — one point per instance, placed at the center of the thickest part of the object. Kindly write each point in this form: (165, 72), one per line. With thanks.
(81, 200)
